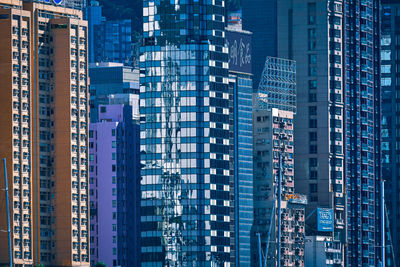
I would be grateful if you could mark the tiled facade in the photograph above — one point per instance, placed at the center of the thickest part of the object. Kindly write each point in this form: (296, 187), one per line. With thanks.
(16, 135)
(58, 122)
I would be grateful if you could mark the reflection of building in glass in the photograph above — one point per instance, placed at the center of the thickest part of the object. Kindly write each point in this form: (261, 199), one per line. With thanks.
(109, 40)
(185, 147)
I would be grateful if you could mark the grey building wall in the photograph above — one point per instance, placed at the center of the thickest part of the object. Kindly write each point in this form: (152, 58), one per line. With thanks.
(303, 36)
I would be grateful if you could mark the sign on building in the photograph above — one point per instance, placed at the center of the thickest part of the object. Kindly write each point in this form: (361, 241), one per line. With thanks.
(325, 220)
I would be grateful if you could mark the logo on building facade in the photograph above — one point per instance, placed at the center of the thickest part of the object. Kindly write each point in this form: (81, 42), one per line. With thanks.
(325, 220)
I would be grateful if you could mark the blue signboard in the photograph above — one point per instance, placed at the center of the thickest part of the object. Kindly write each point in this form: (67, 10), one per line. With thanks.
(56, 2)
(239, 45)
(325, 220)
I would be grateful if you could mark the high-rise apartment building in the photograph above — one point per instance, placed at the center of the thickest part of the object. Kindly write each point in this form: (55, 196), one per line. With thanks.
(361, 27)
(338, 152)
(390, 30)
(273, 142)
(241, 94)
(48, 56)
(185, 141)
(114, 187)
(15, 135)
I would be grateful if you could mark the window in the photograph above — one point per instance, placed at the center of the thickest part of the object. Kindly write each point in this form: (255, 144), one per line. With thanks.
(385, 55)
(312, 162)
(114, 179)
(337, 188)
(114, 203)
(114, 227)
(335, 33)
(312, 110)
(114, 191)
(114, 239)
(312, 136)
(312, 85)
(311, 39)
(113, 132)
(312, 59)
(313, 188)
(113, 144)
(312, 123)
(386, 81)
(103, 109)
(312, 71)
(312, 97)
(313, 149)
(336, 123)
(385, 40)
(311, 9)
(113, 156)
(385, 68)
(336, 136)
(313, 175)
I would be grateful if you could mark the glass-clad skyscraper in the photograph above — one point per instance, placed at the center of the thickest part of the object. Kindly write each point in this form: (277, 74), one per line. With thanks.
(241, 113)
(185, 207)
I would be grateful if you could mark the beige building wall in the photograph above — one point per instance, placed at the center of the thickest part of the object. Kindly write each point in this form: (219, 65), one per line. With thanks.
(44, 119)
(15, 135)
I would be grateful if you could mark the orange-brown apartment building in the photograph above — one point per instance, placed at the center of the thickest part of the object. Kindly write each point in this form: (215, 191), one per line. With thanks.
(44, 133)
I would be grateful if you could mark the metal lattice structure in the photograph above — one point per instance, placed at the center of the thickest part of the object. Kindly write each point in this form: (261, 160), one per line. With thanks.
(277, 87)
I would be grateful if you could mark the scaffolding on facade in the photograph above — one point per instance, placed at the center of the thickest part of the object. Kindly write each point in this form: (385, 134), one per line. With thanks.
(277, 88)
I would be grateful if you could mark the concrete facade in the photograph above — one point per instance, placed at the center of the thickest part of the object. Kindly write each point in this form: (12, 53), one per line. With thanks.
(304, 36)
(114, 184)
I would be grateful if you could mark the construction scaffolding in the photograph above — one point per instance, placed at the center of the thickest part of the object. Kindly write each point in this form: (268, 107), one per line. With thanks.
(277, 87)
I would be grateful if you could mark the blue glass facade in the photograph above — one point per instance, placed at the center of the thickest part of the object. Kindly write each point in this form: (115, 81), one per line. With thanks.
(362, 131)
(112, 42)
(185, 187)
(109, 40)
(241, 86)
(107, 79)
(260, 17)
(390, 136)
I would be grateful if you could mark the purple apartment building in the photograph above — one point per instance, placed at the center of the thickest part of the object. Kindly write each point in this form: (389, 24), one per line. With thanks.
(114, 187)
